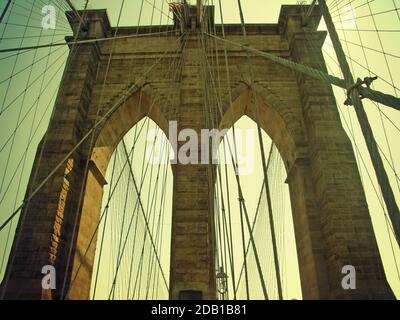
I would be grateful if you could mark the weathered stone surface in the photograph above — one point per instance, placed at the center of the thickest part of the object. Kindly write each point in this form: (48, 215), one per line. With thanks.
(331, 219)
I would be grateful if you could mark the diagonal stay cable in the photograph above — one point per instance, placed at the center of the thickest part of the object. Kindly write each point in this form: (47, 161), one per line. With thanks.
(34, 81)
(146, 222)
(30, 137)
(256, 214)
(5, 10)
(106, 209)
(41, 90)
(30, 140)
(142, 180)
(73, 52)
(87, 41)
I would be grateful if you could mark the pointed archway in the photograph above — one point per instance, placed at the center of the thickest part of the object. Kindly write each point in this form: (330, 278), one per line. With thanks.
(243, 275)
(137, 108)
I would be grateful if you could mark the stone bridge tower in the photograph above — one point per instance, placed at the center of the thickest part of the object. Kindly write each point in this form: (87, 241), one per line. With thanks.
(332, 223)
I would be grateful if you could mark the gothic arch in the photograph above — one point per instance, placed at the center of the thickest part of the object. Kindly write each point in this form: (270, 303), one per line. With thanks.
(287, 134)
(285, 131)
(138, 105)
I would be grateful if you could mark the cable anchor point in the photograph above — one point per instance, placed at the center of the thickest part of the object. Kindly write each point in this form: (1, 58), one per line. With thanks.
(359, 84)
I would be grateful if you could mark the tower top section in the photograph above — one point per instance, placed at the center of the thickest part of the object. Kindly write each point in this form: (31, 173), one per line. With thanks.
(192, 17)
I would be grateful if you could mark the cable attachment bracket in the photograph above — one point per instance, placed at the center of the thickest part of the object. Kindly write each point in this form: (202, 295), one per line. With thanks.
(359, 84)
